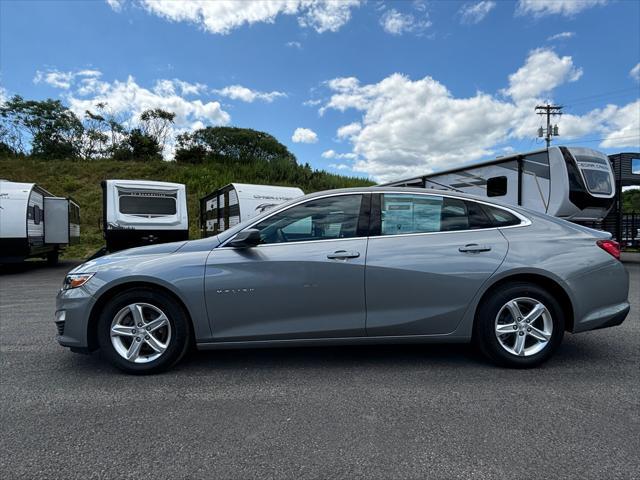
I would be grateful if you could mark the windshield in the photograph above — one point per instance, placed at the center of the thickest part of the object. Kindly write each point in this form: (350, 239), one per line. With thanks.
(596, 170)
(598, 181)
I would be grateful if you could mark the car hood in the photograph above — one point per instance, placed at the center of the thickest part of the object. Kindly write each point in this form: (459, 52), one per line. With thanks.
(141, 254)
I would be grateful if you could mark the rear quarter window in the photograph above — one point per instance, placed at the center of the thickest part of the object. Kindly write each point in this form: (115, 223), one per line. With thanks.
(500, 217)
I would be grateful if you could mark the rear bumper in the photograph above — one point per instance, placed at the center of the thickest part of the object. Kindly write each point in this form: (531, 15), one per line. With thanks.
(606, 317)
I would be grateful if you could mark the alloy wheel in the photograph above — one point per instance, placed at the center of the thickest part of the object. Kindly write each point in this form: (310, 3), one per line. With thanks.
(140, 332)
(524, 326)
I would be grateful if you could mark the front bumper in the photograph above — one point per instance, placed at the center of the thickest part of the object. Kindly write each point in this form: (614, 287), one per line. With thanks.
(73, 310)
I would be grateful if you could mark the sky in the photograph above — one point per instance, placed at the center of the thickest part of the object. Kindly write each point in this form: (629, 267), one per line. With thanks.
(378, 89)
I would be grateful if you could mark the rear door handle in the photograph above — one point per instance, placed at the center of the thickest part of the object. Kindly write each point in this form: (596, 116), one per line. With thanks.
(474, 248)
(342, 255)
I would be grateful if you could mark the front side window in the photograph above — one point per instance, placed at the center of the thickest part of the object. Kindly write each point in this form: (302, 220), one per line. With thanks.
(322, 219)
(147, 205)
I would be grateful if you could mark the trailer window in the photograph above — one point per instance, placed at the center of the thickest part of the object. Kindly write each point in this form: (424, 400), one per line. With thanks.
(37, 214)
(497, 186)
(635, 166)
(147, 205)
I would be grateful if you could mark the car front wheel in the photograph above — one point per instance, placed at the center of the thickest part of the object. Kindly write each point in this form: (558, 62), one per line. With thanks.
(519, 325)
(143, 331)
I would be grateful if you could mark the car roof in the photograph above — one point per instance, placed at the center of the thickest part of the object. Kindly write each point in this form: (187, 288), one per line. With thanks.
(431, 191)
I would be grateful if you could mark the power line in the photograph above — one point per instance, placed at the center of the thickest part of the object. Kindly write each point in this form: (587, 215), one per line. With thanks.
(610, 93)
(589, 140)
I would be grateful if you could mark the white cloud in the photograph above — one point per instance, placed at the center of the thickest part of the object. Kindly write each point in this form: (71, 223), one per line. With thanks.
(635, 72)
(397, 23)
(411, 127)
(561, 36)
(311, 103)
(63, 80)
(333, 154)
(339, 166)
(568, 8)
(115, 4)
(297, 45)
(238, 92)
(127, 99)
(304, 135)
(348, 131)
(224, 16)
(624, 127)
(4, 95)
(542, 72)
(471, 13)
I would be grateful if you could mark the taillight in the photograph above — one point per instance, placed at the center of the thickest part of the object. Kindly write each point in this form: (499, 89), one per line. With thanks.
(611, 247)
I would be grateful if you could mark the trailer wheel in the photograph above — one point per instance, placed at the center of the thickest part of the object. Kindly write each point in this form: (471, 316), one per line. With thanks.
(53, 257)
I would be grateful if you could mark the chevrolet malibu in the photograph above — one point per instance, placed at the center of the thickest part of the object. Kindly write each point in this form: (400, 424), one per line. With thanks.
(355, 266)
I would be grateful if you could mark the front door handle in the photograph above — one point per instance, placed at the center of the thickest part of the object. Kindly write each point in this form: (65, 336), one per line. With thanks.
(474, 248)
(343, 255)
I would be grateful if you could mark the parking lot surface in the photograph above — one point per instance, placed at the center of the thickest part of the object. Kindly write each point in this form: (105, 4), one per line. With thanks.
(432, 411)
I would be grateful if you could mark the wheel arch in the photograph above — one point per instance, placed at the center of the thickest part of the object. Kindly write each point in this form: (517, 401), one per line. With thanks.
(107, 295)
(551, 285)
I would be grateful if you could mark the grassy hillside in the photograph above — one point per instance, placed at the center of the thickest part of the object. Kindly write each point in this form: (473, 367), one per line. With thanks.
(81, 180)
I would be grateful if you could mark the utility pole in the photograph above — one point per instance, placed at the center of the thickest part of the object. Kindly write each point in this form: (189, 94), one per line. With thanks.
(549, 111)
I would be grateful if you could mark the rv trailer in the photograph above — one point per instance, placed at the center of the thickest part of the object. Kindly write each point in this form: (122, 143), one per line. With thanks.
(237, 202)
(141, 212)
(34, 223)
(573, 183)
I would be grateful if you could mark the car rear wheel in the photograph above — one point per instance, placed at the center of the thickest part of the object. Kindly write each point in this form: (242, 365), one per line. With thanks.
(519, 325)
(143, 331)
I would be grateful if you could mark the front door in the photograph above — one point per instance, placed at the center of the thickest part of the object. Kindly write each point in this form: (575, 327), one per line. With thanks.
(305, 280)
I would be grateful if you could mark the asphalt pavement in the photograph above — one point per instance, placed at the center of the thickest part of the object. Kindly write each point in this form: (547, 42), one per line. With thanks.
(434, 411)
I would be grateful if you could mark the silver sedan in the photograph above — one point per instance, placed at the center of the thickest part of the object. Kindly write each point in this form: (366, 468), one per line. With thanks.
(355, 266)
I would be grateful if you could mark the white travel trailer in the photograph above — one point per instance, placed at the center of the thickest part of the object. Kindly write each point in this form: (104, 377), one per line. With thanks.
(34, 223)
(237, 202)
(141, 212)
(573, 183)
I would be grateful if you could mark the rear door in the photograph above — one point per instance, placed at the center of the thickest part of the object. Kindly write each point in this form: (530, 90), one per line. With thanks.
(430, 256)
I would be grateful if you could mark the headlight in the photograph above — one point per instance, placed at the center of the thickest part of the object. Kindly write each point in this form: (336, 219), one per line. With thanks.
(75, 280)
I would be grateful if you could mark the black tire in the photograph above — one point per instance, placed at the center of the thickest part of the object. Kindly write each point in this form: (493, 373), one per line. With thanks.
(178, 344)
(484, 334)
(53, 257)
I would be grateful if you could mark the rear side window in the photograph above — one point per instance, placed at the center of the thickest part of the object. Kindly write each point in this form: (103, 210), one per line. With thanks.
(402, 213)
(500, 217)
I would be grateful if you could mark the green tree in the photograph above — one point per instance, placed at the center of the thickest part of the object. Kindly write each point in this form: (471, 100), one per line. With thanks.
(52, 129)
(138, 145)
(232, 144)
(158, 124)
(631, 201)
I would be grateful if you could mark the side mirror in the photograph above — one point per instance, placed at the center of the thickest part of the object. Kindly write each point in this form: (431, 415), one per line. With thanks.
(246, 239)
